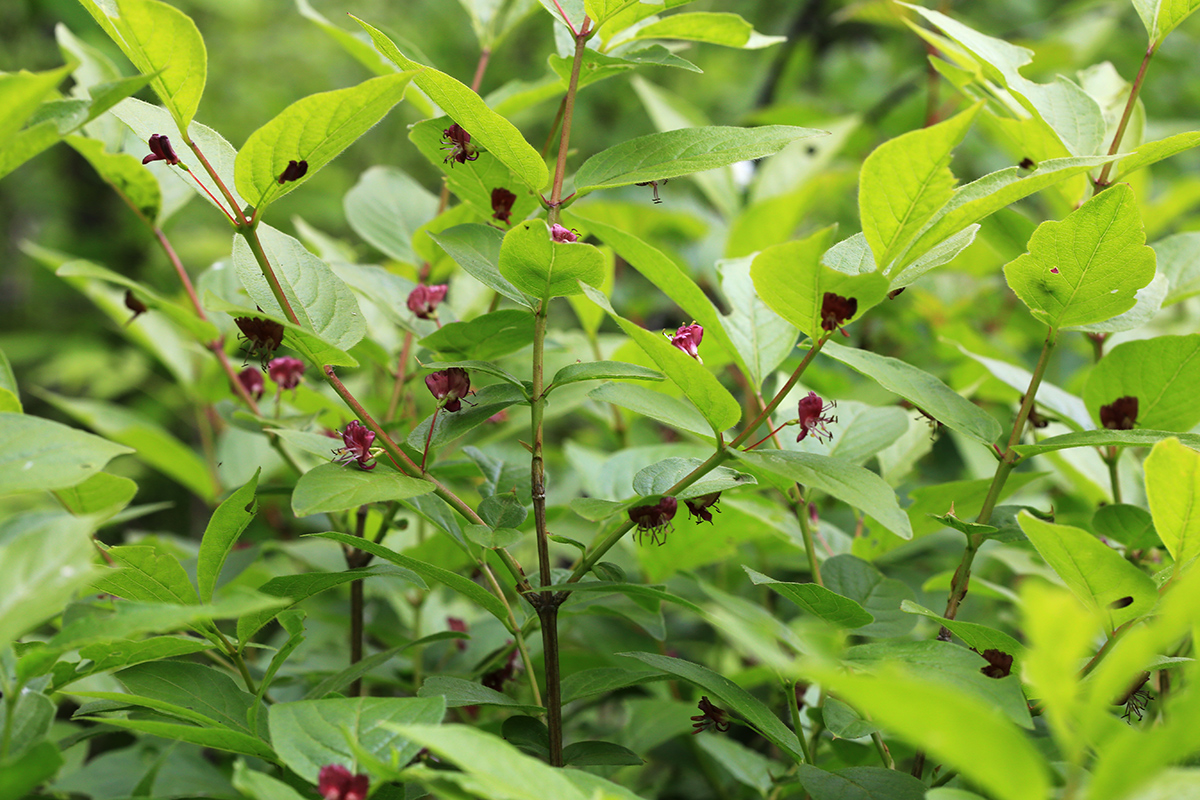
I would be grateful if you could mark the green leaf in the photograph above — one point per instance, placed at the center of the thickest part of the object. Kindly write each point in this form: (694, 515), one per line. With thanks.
(159, 38)
(729, 694)
(905, 181)
(602, 680)
(843, 721)
(1173, 488)
(149, 575)
(40, 569)
(699, 385)
(464, 586)
(725, 29)
(1178, 262)
(602, 371)
(261, 786)
(854, 485)
(27, 144)
(10, 393)
(658, 478)
(308, 344)
(793, 282)
(113, 655)
(763, 337)
(322, 301)
(38, 455)
(217, 738)
(1066, 405)
(921, 389)
(599, 754)
(102, 494)
(476, 248)
(1153, 152)
(746, 766)
(205, 691)
(1104, 438)
(315, 129)
(655, 405)
(1088, 267)
(1128, 524)
(20, 95)
(310, 734)
(829, 606)
(860, 432)
(221, 534)
(860, 783)
(541, 267)
(457, 693)
(352, 673)
(882, 597)
(1163, 373)
(450, 425)
(959, 729)
(386, 207)
(975, 636)
(28, 721)
(124, 173)
(20, 777)
(670, 154)
(1098, 575)
(339, 487)
(485, 338)
(487, 128)
(1162, 16)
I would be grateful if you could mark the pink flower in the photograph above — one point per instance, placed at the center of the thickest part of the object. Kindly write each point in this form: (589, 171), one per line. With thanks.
(335, 782)
(563, 235)
(812, 417)
(456, 624)
(424, 300)
(449, 386)
(161, 150)
(286, 371)
(357, 439)
(458, 142)
(687, 338)
(656, 518)
(251, 379)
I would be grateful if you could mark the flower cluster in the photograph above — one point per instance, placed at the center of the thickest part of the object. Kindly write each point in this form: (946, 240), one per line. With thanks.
(449, 387)
(357, 440)
(812, 417)
(458, 142)
(161, 150)
(424, 300)
(655, 518)
(1120, 414)
(335, 782)
(687, 338)
(710, 717)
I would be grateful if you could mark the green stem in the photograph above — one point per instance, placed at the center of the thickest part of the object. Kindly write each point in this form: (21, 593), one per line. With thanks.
(1102, 181)
(794, 706)
(882, 748)
(782, 393)
(1114, 477)
(240, 219)
(260, 255)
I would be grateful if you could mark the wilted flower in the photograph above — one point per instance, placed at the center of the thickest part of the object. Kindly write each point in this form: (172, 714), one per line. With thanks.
(502, 203)
(286, 371)
(294, 171)
(812, 417)
(999, 663)
(656, 518)
(654, 188)
(1120, 414)
(357, 439)
(424, 300)
(161, 150)
(252, 381)
(335, 782)
(699, 507)
(449, 386)
(458, 142)
(710, 717)
(687, 338)
(563, 235)
(263, 336)
(836, 311)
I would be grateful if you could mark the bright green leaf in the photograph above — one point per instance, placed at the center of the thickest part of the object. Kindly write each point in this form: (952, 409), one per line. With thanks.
(221, 534)
(37, 454)
(1162, 16)
(161, 39)
(725, 29)
(541, 267)
(101, 494)
(124, 173)
(816, 599)
(338, 487)
(1162, 373)
(1173, 489)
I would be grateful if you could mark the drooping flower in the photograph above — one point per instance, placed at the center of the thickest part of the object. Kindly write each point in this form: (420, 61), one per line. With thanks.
(687, 338)
(251, 379)
(161, 150)
(1120, 414)
(812, 418)
(286, 371)
(458, 142)
(262, 335)
(357, 439)
(999, 663)
(504, 673)
(456, 624)
(335, 782)
(563, 235)
(836, 311)
(294, 171)
(655, 518)
(710, 717)
(502, 203)
(424, 300)
(449, 387)
(135, 305)
(699, 507)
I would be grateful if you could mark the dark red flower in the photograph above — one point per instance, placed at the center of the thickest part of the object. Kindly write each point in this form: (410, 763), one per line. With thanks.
(1120, 414)
(563, 235)
(262, 335)
(335, 782)
(294, 171)
(449, 386)
(133, 304)
(812, 417)
(999, 663)
(687, 338)
(699, 507)
(357, 439)
(836, 311)
(424, 300)
(252, 380)
(286, 371)
(458, 142)
(502, 203)
(710, 718)
(654, 188)
(502, 674)
(161, 150)
(456, 624)
(656, 518)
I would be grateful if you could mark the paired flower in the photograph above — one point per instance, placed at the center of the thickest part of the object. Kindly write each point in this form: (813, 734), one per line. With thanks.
(710, 717)
(252, 381)
(161, 150)
(294, 171)
(687, 338)
(285, 371)
(357, 439)
(335, 782)
(1120, 414)
(502, 203)
(656, 518)
(812, 417)
(837, 311)
(449, 387)
(458, 142)
(699, 507)
(563, 235)
(424, 300)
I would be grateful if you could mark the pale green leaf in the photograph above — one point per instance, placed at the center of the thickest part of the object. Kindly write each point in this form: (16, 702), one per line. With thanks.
(1068, 407)
(763, 337)
(1173, 489)
(602, 371)
(1162, 16)
(338, 487)
(476, 248)
(386, 207)
(1179, 261)
(487, 337)
(725, 29)
(41, 569)
(37, 454)
(457, 692)
(654, 405)
(1104, 437)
